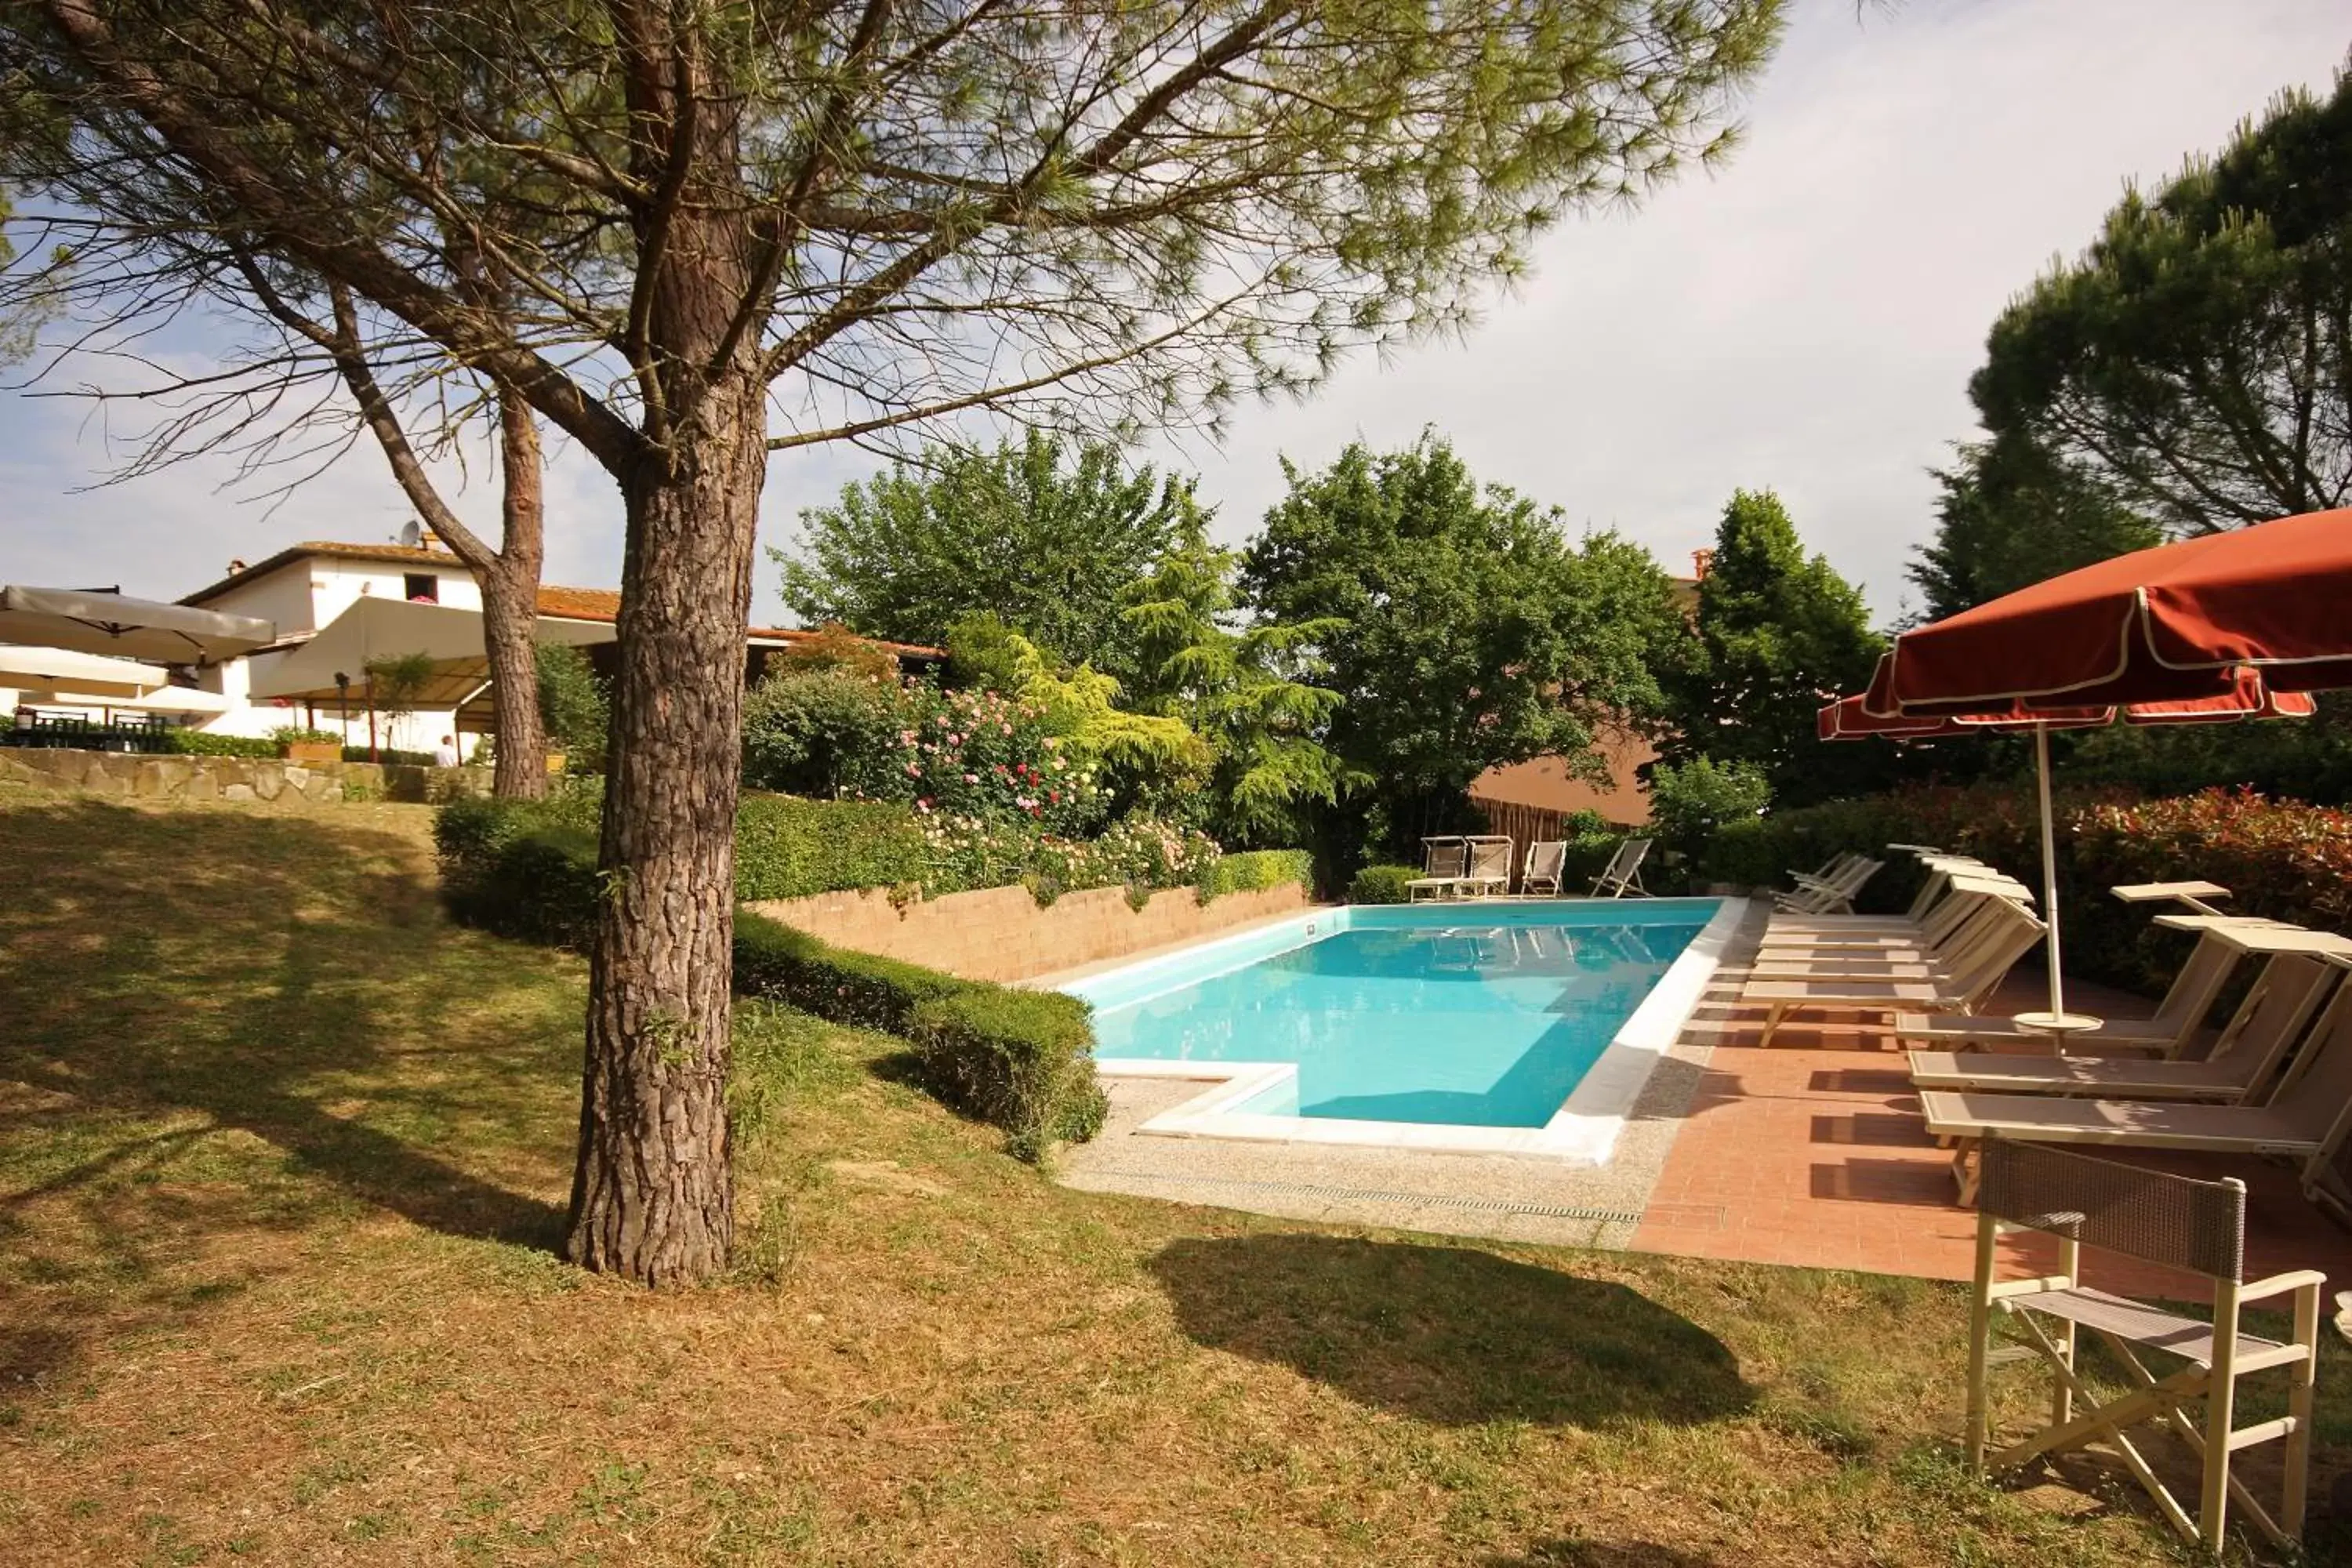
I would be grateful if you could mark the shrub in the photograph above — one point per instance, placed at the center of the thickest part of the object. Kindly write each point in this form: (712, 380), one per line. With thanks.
(1382, 884)
(1689, 801)
(303, 735)
(1022, 1060)
(824, 731)
(537, 883)
(196, 743)
(860, 989)
(388, 756)
(1254, 870)
(788, 848)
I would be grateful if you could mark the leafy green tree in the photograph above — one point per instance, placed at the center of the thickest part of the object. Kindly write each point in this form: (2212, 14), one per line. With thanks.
(1778, 634)
(2010, 514)
(1244, 689)
(2198, 357)
(1688, 801)
(1459, 626)
(755, 228)
(1047, 540)
(574, 710)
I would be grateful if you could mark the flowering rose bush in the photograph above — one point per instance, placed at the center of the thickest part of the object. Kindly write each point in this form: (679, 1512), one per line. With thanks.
(834, 734)
(976, 754)
(962, 851)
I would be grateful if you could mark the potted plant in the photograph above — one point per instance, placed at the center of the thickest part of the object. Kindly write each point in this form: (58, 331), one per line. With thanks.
(297, 744)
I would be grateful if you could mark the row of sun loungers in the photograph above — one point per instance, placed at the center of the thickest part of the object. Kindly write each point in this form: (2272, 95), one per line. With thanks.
(2276, 1080)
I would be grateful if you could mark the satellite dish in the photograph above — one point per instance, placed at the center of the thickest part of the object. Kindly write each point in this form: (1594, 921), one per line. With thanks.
(411, 535)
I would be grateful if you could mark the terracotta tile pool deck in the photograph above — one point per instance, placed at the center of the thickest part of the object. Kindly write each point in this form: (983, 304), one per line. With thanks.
(1813, 1152)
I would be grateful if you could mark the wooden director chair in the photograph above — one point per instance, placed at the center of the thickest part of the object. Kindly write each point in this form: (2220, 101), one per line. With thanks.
(2195, 1227)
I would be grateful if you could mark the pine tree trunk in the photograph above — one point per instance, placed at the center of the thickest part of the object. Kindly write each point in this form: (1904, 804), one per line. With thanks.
(510, 611)
(652, 1197)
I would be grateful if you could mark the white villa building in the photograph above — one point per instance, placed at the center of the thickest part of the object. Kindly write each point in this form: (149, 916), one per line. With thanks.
(334, 606)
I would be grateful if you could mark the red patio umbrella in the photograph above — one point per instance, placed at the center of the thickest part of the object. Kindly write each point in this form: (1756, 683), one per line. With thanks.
(2182, 621)
(1852, 719)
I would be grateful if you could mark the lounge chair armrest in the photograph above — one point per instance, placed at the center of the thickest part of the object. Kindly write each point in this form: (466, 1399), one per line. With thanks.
(2280, 1284)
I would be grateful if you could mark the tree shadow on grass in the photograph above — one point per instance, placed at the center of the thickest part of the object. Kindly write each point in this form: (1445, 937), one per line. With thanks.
(1449, 1334)
(289, 976)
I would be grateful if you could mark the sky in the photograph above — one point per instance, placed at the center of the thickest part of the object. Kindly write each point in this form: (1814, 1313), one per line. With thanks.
(1803, 318)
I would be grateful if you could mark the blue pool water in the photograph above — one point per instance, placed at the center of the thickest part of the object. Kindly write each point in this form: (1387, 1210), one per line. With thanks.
(1471, 1017)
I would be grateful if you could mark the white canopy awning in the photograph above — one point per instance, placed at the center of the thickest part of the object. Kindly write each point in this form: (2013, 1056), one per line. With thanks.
(123, 627)
(65, 673)
(395, 629)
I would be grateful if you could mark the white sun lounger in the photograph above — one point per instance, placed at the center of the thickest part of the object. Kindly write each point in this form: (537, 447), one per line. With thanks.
(2305, 1118)
(1961, 987)
(1444, 863)
(2176, 1019)
(1966, 895)
(2252, 1048)
(1488, 871)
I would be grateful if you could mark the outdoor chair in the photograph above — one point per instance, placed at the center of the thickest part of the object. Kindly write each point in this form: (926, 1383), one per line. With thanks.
(1546, 858)
(1623, 873)
(1488, 871)
(1832, 894)
(1444, 863)
(2003, 932)
(2198, 1228)
(2253, 1046)
(2178, 1019)
(2305, 1118)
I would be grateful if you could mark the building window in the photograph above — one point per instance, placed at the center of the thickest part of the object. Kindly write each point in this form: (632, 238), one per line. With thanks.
(420, 588)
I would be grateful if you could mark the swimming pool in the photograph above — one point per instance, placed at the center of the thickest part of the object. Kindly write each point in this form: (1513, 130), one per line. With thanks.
(1514, 1027)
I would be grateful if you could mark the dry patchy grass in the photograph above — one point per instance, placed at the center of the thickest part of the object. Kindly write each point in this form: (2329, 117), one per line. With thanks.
(281, 1154)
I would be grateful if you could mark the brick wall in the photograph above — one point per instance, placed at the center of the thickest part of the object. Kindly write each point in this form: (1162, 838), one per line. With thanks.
(1000, 934)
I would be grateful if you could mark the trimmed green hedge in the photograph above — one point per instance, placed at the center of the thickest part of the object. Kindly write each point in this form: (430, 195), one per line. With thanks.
(1021, 1060)
(786, 848)
(196, 743)
(1254, 871)
(1382, 884)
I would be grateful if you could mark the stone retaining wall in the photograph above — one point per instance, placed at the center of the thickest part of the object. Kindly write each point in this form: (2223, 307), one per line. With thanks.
(1000, 934)
(174, 777)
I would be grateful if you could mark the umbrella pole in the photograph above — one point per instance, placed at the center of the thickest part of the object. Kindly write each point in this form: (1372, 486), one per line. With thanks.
(2049, 866)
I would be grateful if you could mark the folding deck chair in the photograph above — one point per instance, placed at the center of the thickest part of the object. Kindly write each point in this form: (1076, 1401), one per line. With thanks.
(2195, 1227)
(1832, 894)
(1546, 858)
(1624, 872)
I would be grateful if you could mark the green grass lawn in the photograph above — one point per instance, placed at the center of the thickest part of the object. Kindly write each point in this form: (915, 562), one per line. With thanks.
(283, 1154)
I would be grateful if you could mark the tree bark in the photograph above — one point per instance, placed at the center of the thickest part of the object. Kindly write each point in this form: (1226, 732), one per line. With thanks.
(511, 609)
(652, 1195)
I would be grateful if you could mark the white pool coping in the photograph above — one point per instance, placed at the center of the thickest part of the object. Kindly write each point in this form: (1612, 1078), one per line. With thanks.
(1583, 1131)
